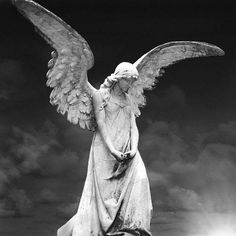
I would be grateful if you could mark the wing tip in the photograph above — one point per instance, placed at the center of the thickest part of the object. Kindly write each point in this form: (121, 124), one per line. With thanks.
(220, 52)
(216, 51)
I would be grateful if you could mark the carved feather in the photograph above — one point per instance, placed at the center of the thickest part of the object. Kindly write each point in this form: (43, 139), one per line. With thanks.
(150, 65)
(68, 67)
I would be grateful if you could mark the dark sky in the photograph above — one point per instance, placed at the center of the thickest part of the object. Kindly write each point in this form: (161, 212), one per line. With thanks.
(187, 129)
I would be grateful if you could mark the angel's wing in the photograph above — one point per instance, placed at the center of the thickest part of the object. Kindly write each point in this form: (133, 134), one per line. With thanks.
(72, 92)
(150, 65)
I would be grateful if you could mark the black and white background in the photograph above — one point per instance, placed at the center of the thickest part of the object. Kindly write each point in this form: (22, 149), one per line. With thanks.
(187, 130)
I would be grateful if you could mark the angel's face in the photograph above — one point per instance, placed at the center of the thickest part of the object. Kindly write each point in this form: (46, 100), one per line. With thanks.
(125, 83)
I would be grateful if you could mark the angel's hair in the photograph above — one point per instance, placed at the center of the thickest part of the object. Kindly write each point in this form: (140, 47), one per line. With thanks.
(126, 69)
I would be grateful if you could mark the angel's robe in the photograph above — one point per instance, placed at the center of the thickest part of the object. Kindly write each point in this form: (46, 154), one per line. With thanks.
(116, 197)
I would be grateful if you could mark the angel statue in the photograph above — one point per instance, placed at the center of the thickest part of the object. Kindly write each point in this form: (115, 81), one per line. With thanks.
(116, 197)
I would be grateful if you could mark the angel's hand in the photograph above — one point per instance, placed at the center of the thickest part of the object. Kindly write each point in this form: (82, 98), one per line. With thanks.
(118, 155)
(112, 78)
(130, 154)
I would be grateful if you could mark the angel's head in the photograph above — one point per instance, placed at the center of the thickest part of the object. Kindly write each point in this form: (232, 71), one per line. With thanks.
(125, 75)
(126, 69)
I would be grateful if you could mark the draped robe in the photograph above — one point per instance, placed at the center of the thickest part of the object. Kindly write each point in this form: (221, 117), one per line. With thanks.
(116, 197)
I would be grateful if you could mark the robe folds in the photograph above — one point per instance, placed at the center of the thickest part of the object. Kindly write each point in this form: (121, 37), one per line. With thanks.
(116, 198)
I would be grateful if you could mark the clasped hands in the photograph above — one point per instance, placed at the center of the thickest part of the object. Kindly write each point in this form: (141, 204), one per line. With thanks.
(120, 156)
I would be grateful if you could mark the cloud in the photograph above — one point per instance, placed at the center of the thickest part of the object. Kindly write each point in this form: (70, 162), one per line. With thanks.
(29, 146)
(181, 198)
(21, 152)
(39, 152)
(191, 172)
(65, 164)
(20, 155)
(161, 142)
(22, 205)
(157, 179)
(47, 196)
(16, 203)
(3, 182)
(216, 175)
(169, 103)
(224, 133)
(67, 210)
(5, 212)
(8, 173)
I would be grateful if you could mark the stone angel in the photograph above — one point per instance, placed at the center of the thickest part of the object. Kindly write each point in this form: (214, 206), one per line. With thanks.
(116, 196)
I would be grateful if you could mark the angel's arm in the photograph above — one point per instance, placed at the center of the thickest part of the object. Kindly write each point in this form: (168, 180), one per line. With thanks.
(134, 134)
(134, 138)
(101, 125)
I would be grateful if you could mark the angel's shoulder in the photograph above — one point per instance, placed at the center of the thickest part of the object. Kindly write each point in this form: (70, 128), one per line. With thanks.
(100, 94)
(101, 97)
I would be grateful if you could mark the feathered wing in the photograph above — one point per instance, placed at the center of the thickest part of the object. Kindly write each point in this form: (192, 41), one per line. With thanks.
(67, 74)
(150, 65)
